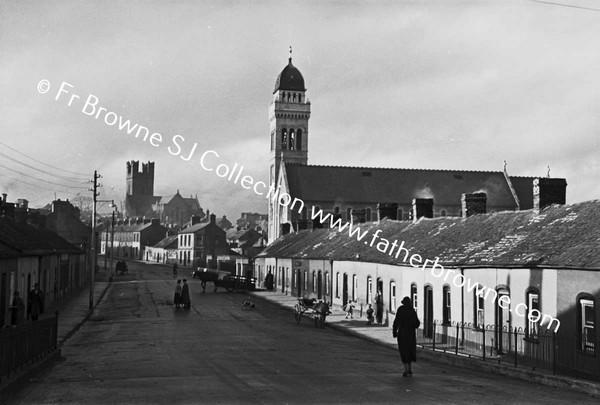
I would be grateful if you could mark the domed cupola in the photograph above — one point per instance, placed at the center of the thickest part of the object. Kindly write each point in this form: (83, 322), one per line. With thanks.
(290, 78)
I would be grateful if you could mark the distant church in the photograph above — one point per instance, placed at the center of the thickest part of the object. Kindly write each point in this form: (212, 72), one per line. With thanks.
(363, 194)
(140, 200)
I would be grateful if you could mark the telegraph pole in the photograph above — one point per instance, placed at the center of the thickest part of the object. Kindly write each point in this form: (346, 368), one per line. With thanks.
(94, 258)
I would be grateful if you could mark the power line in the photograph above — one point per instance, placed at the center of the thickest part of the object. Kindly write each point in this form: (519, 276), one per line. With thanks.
(47, 164)
(564, 5)
(42, 180)
(42, 171)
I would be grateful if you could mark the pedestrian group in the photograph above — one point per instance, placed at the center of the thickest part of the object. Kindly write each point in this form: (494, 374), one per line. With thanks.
(181, 299)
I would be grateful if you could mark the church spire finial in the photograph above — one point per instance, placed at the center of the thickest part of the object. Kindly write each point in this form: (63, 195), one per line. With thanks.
(290, 54)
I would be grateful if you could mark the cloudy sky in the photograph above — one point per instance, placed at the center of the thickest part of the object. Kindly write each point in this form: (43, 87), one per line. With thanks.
(412, 84)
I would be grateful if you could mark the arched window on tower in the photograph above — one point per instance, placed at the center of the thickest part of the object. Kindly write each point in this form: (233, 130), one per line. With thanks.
(292, 142)
(299, 139)
(284, 139)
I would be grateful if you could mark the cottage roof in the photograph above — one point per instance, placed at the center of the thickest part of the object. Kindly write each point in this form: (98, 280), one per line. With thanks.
(170, 242)
(368, 184)
(33, 241)
(563, 236)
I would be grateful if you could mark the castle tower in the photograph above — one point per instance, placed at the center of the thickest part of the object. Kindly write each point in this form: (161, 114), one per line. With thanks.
(140, 188)
(140, 183)
(288, 118)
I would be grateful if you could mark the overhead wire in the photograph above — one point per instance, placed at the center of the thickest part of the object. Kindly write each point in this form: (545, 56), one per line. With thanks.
(45, 181)
(44, 163)
(42, 171)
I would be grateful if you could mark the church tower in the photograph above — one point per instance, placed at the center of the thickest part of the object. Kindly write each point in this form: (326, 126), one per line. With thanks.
(288, 117)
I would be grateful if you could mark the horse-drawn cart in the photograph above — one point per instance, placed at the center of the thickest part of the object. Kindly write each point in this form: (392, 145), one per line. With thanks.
(312, 308)
(230, 282)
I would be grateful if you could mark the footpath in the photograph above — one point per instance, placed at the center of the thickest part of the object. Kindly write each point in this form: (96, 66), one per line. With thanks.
(74, 311)
(382, 335)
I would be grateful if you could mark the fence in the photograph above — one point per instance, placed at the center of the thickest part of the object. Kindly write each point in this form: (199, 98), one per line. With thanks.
(26, 344)
(572, 355)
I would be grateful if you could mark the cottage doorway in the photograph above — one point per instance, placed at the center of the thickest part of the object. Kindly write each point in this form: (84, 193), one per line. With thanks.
(345, 290)
(428, 311)
(502, 326)
(319, 285)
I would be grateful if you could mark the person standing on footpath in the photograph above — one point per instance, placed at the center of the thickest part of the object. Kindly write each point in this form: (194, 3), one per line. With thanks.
(16, 309)
(379, 307)
(405, 325)
(177, 296)
(35, 303)
(185, 295)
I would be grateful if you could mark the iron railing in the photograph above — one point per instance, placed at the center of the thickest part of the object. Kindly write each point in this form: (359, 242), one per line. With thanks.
(572, 355)
(25, 344)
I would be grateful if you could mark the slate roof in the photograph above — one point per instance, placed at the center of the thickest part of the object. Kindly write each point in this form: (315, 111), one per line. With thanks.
(561, 236)
(197, 227)
(28, 240)
(132, 228)
(170, 242)
(367, 185)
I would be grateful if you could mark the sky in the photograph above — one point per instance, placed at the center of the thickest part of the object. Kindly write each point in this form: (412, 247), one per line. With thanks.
(461, 85)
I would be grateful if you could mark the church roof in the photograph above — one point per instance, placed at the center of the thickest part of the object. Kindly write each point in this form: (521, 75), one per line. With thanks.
(561, 236)
(366, 185)
(290, 78)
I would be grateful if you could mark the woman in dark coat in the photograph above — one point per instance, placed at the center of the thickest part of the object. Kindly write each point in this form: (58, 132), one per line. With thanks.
(185, 295)
(405, 325)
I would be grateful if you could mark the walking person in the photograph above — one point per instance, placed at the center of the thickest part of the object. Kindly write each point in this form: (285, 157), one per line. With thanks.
(177, 296)
(185, 295)
(16, 308)
(370, 317)
(35, 303)
(174, 269)
(349, 309)
(405, 325)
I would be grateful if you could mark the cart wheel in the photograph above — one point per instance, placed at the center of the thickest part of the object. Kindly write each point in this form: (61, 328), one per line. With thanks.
(297, 314)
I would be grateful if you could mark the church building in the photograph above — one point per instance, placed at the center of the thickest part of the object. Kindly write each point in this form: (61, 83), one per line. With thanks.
(365, 194)
(140, 200)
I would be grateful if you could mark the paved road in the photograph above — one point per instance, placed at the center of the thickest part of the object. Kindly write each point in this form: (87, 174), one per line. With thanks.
(137, 349)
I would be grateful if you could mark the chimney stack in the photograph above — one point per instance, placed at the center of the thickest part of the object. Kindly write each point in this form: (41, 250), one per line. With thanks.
(195, 220)
(4, 197)
(387, 210)
(422, 207)
(547, 191)
(284, 229)
(213, 218)
(473, 204)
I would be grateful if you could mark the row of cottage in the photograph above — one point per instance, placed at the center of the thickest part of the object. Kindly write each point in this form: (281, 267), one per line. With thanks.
(531, 270)
(31, 252)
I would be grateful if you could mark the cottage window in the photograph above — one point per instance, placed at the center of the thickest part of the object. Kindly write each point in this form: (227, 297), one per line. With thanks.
(392, 296)
(354, 287)
(533, 304)
(479, 314)
(337, 285)
(369, 290)
(587, 322)
(414, 295)
(327, 283)
(305, 280)
(314, 281)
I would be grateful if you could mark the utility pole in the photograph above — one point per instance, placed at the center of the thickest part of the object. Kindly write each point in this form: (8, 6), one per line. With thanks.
(94, 253)
(112, 240)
